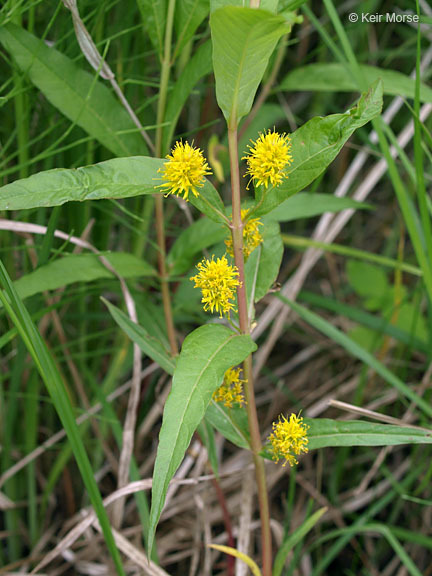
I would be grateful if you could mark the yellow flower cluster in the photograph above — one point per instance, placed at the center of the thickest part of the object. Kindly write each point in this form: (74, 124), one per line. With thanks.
(185, 170)
(231, 390)
(218, 281)
(289, 439)
(268, 158)
(251, 235)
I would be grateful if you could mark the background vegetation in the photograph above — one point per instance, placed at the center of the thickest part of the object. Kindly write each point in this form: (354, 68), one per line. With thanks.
(362, 270)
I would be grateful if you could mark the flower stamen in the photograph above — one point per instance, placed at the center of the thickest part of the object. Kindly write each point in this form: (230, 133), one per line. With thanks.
(218, 281)
(268, 158)
(289, 439)
(185, 170)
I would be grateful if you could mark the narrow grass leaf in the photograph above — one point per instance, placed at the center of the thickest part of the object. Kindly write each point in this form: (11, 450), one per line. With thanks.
(350, 531)
(353, 348)
(349, 252)
(51, 376)
(293, 539)
(380, 325)
(206, 355)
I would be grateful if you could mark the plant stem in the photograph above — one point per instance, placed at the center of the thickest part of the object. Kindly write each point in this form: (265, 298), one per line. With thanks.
(255, 3)
(160, 225)
(237, 235)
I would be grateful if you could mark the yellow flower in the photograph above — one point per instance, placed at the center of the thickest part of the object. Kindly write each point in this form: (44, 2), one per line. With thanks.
(268, 158)
(218, 281)
(231, 391)
(185, 170)
(251, 236)
(289, 439)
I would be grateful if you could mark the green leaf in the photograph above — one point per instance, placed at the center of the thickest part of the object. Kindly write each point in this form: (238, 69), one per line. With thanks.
(153, 15)
(293, 539)
(349, 252)
(353, 348)
(116, 178)
(202, 234)
(199, 65)
(232, 423)
(335, 77)
(243, 41)
(369, 282)
(206, 355)
(371, 321)
(80, 268)
(148, 344)
(316, 144)
(262, 266)
(189, 15)
(85, 101)
(50, 374)
(308, 205)
(207, 435)
(324, 432)
(269, 5)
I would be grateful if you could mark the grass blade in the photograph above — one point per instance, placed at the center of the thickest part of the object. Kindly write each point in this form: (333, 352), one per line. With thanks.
(353, 348)
(51, 376)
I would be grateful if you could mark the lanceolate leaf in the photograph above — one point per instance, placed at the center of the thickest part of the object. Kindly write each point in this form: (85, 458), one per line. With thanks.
(308, 205)
(335, 77)
(116, 178)
(202, 234)
(324, 432)
(243, 41)
(316, 144)
(80, 268)
(262, 266)
(86, 102)
(230, 422)
(148, 344)
(206, 355)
